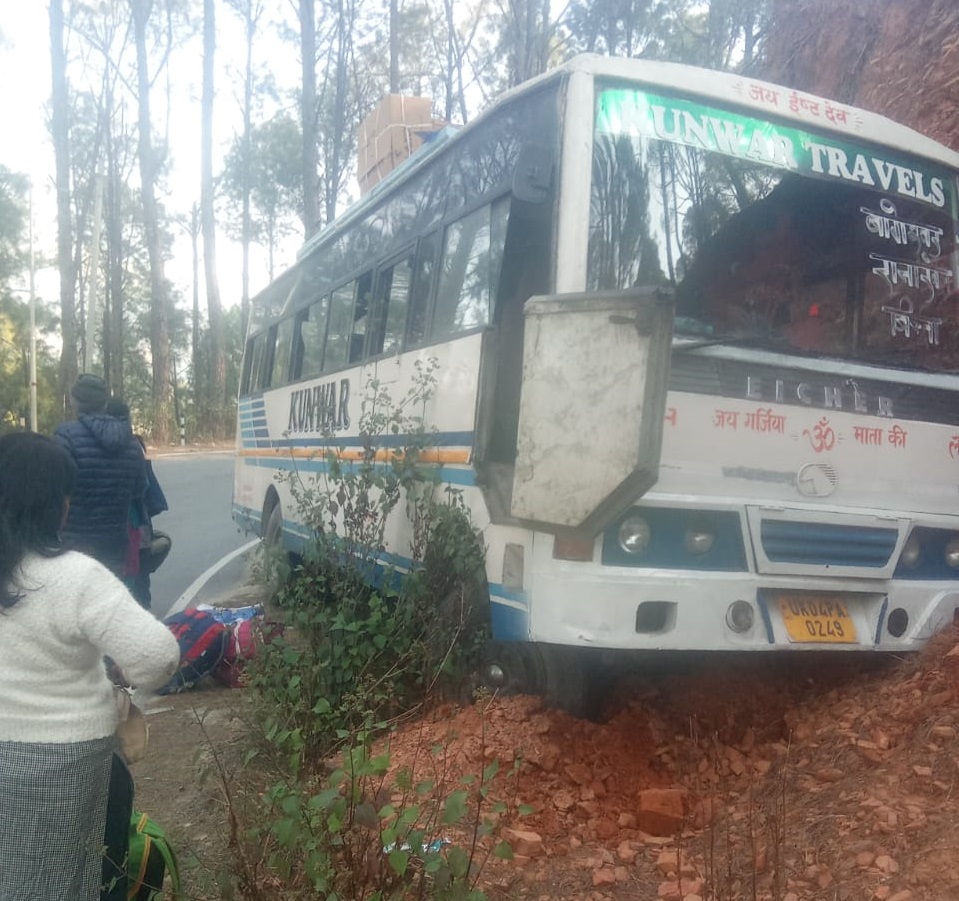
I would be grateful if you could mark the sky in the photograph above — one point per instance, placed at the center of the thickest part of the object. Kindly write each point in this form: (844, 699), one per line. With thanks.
(25, 143)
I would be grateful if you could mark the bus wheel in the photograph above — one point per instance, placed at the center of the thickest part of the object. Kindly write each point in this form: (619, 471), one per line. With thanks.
(273, 556)
(455, 580)
(573, 680)
(512, 667)
(273, 533)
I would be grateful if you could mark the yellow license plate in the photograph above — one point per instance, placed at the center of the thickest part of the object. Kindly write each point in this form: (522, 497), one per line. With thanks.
(816, 618)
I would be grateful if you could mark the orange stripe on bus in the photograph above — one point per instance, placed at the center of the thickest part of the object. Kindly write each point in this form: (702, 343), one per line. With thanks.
(429, 455)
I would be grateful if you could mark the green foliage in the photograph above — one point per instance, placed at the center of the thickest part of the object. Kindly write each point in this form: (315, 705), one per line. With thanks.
(369, 831)
(365, 644)
(368, 642)
(15, 317)
(15, 367)
(720, 34)
(272, 173)
(13, 223)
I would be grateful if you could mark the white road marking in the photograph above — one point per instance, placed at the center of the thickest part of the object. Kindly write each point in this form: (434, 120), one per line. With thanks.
(193, 590)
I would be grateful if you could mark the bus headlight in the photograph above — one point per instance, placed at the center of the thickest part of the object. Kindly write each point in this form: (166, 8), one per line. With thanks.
(634, 535)
(699, 541)
(740, 616)
(952, 553)
(911, 553)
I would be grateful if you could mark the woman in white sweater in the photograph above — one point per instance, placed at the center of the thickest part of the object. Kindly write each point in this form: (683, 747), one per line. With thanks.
(61, 612)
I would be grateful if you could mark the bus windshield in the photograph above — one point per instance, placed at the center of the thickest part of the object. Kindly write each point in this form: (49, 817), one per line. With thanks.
(775, 235)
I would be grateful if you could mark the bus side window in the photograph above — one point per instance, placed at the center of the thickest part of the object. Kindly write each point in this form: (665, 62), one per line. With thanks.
(391, 306)
(312, 322)
(361, 316)
(260, 379)
(254, 357)
(472, 258)
(282, 350)
(399, 306)
(341, 321)
(424, 278)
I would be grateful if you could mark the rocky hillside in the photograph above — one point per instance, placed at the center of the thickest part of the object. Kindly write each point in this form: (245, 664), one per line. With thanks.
(895, 57)
(763, 779)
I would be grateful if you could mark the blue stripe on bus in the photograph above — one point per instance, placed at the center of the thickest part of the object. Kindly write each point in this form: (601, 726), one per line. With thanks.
(767, 620)
(509, 623)
(881, 619)
(498, 593)
(432, 439)
(508, 594)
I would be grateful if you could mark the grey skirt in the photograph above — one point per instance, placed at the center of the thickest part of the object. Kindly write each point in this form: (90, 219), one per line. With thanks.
(53, 800)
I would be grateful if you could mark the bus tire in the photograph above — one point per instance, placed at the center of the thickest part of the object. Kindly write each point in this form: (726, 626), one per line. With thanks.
(273, 531)
(460, 592)
(511, 668)
(573, 680)
(273, 555)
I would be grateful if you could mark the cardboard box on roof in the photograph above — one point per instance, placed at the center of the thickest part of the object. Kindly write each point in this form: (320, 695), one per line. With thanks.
(390, 134)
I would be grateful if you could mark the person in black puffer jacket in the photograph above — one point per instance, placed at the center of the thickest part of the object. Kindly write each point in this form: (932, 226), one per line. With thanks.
(111, 473)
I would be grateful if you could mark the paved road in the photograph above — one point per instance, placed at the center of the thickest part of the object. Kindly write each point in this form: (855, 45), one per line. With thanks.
(199, 488)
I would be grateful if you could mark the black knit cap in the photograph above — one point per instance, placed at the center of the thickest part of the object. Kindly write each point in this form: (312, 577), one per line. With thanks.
(89, 393)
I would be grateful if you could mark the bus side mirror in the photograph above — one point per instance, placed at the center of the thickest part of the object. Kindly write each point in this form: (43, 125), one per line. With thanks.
(592, 407)
(533, 175)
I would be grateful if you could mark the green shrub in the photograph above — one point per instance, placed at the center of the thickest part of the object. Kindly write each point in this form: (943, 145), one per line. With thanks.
(361, 835)
(365, 645)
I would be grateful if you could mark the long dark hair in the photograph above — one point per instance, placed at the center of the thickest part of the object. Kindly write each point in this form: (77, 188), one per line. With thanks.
(36, 478)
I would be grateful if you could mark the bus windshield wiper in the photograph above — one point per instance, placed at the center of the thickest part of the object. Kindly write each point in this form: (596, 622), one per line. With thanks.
(771, 342)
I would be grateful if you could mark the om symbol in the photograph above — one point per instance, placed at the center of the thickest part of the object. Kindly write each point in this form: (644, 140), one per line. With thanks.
(822, 438)
(954, 446)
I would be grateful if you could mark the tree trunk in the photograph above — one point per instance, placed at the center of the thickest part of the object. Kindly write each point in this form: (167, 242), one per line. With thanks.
(159, 317)
(113, 318)
(311, 212)
(246, 225)
(201, 394)
(394, 47)
(337, 127)
(60, 131)
(214, 309)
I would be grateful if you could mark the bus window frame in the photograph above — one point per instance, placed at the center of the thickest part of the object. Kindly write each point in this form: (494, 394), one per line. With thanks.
(268, 352)
(359, 358)
(488, 200)
(436, 235)
(389, 265)
(301, 316)
(414, 252)
(351, 284)
(286, 377)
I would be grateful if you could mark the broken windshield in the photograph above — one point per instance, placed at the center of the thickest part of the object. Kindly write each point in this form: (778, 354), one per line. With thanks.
(774, 236)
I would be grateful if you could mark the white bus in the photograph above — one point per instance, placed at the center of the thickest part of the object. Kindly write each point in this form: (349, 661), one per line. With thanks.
(697, 340)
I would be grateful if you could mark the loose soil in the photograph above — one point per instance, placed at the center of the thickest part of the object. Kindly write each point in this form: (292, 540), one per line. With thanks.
(790, 779)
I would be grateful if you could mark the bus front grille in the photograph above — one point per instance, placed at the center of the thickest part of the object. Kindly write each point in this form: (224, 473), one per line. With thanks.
(824, 544)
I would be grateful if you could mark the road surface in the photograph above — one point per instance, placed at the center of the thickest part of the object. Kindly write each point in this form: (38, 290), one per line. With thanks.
(199, 489)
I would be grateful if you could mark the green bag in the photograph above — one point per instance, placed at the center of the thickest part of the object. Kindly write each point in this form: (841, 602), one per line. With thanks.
(149, 859)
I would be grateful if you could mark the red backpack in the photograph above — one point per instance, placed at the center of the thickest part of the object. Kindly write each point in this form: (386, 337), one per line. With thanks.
(203, 640)
(245, 637)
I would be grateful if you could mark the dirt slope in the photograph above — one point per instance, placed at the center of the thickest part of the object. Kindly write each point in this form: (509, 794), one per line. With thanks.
(786, 779)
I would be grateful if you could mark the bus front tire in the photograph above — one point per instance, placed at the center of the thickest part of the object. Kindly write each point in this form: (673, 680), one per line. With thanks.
(273, 555)
(573, 680)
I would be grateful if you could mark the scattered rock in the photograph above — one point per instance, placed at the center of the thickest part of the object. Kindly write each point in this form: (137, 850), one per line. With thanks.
(661, 810)
(524, 842)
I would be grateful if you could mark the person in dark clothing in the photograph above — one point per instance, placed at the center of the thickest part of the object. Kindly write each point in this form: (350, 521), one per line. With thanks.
(111, 475)
(148, 547)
